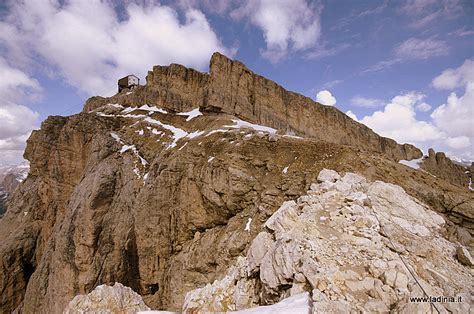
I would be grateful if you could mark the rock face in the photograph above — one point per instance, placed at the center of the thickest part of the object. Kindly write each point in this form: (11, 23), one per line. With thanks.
(150, 190)
(230, 87)
(115, 299)
(354, 246)
(10, 178)
(441, 166)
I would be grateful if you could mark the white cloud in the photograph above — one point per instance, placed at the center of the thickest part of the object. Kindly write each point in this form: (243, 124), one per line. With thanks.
(420, 49)
(423, 107)
(459, 142)
(90, 46)
(366, 102)
(16, 85)
(351, 115)
(398, 121)
(454, 78)
(410, 50)
(457, 115)
(286, 25)
(450, 128)
(326, 98)
(425, 12)
(16, 121)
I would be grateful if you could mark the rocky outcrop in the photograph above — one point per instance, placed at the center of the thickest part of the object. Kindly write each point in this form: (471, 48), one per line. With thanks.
(354, 246)
(231, 88)
(10, 178)
(3, 201)
(164, 199)
(107, 299)
(441, 166)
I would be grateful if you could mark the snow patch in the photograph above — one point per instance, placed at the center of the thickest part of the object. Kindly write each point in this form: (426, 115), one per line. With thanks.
(216, 131)
(140, 132)
(152, 108)
(177, 132)
(247, 226)
(257, 127)
(414, 163)
(128, 109)
(285, 170)
(195, 134)
(210, 159)
(191, 114)
(299, 303)
(470, 185)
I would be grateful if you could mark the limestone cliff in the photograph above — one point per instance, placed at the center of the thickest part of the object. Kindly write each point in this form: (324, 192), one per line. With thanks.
(230, 87)
(154, 188)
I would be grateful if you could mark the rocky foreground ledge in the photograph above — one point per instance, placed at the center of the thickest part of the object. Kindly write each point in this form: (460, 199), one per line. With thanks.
(347, 245)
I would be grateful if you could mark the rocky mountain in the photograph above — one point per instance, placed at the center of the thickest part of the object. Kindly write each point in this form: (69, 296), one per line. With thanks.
(10, 178)
(166, 187)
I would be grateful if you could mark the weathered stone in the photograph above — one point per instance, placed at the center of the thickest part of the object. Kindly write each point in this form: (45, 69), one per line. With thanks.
(327, 175)
(464, 256)
(107, 299)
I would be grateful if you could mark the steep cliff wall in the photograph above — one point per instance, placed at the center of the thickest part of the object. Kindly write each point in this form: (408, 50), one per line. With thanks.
(230, 87)
(234, 89)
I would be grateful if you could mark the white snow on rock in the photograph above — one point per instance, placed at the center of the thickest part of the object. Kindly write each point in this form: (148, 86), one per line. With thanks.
(177, 132)
(257, 127)
(140, 132)
(297, 304)
(191, 114)
(115, 136)
(247, 226)
(128, 109)
(195, 134)
(285, 170)
(414, 163)
(134, 150)
(152, 109)
(210, 159)
(115, 106)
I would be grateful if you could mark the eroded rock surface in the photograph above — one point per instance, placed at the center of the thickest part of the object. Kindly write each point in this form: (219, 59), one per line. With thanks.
(353, 245)
(150, 190)
(231, 88)
(116, 299)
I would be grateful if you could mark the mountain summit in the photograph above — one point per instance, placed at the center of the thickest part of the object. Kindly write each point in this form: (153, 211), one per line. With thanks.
(164, 188)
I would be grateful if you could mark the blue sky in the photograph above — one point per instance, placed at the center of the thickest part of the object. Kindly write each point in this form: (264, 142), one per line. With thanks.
(405, 68)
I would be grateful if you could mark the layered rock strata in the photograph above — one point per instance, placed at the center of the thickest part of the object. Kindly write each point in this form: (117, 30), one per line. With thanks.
(231, 88)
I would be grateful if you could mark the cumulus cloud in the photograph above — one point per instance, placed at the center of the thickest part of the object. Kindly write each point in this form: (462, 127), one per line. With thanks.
(90, 45)
(454, 78)
(421, 49)
(457, 115)
(326, 98)
(366, 102)
(16, 121)
(398, 121)
(16, 85)
(450, 128)
(287, 25)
